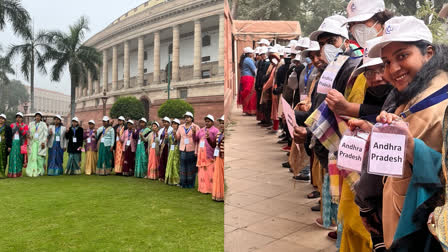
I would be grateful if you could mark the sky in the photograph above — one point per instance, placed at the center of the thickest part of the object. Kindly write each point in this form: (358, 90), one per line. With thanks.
(58, 15)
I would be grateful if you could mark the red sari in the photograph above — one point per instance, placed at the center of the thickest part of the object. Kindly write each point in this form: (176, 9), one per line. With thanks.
(248, 96)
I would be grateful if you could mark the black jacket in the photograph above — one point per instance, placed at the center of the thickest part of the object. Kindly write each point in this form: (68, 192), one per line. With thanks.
(8, 137)
(79, 134)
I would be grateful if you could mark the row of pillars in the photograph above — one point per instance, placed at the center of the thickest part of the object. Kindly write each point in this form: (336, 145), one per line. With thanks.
(90, 90)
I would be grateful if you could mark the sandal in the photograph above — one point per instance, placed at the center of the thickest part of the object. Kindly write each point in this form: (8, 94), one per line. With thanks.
(313, 195)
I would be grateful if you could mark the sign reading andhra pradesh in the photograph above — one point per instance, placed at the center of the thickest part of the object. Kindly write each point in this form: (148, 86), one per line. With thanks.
(387, 153)
(290, 117)
(325, 83)
(351, 153)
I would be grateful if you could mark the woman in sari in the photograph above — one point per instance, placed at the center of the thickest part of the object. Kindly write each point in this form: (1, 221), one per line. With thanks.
(56, 147)
(172, 167)
(129, 144)
(218, 175)
(205, 163)
(141, 158)
(153, 152)
(5, 144)
(16, 157)
(247, 96)
(75, 137)
(186, 135)
(37, 148)
(106, 136)
(91, 149)
(119, 148)
(164, 146)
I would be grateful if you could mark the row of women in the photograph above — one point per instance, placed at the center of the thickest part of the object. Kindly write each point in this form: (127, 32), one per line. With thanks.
(371, 67)
(174, 153)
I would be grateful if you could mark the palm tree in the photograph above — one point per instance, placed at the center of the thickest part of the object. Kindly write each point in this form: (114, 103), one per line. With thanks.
(68, 51)
(5, 69)
(13, 11)
(32, 53)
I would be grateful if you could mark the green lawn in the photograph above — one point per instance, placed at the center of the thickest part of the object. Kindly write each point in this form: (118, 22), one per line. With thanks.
(113, 213)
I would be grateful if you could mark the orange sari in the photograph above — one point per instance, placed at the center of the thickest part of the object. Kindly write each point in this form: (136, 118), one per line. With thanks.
(119, 151)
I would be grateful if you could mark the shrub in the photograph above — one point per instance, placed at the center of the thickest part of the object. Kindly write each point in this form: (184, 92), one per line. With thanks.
(175, 108)
(129, 107)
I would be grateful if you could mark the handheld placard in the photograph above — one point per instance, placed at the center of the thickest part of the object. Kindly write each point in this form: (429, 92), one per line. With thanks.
(387, 149)
(351, 151)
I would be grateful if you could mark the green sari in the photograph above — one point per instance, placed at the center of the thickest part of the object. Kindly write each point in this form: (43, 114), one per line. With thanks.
(15, 160)
(141, 157)
(172, 166)
(36, 163)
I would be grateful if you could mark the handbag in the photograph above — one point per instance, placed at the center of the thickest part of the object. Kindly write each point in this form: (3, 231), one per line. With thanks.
(23, 149)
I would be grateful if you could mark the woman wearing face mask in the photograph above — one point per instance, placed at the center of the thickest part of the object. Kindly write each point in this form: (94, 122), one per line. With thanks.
(417, 69)
(37, 148)
(247, 96)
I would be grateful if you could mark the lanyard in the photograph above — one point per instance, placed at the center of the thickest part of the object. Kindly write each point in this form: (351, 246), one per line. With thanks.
(37, 127)
(90, 134)
(186, 131)
(74, 131)
(307, 75)
(57, 130)
(104, 130)
(129, 134)
(2, 128)
(220, 138)
(163, 134)
(435, 98)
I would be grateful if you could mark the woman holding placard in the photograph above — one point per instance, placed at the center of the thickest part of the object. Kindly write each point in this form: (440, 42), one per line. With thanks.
(417, 69)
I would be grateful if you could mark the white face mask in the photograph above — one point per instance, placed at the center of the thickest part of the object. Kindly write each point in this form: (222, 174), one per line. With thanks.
(274, 60)
(363, 33)
(331, 52)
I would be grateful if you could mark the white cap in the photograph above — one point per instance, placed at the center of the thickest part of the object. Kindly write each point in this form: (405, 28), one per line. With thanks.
(58, 117)
(362, 10)
(297, 58)
(281, 50)
(156, 123)
(292, 43)
(314, 47)
(272, 49)
(3, 116)
(92, 122)
(188, 113)
(210, 117)
(264, 41)
(366, 60)
(75, 119)
(131, 122)
(121, 118)
(105, 118)
(143, 120)
(19, 114)
(38, 113)
(176, 121)
(303, 42)
(402, 29)
(248, 50)
(294, 50)
(221, 119)
(333, 25)
(287, 51)
(166, 119)
(263, 50)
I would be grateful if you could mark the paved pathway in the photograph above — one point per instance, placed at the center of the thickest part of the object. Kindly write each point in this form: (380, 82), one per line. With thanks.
(265, 209)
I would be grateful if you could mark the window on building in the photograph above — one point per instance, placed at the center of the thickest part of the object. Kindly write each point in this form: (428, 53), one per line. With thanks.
(206, 74)
(146, 4)
(145, 56)
(205, 58)
(206, 41)
(145, 82)
(145, 70)
(97, 102)
(170, 49)
(183, 93)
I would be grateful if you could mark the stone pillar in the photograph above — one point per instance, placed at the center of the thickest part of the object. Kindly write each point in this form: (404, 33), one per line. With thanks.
(221, 45)
(175, 70)
(105, 77)
(89, 83)
(126, 68)
(197, 58)
(140, 58)
(114, 67)
(84, 92)
(156, 72)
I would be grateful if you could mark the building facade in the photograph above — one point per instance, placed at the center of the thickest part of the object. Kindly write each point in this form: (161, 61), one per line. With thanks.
(138, 46)
(47, 101)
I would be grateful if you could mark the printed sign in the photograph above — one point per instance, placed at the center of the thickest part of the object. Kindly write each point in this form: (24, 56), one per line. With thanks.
(387, 153)
(290, 118)
(325, 83)
(351, 153)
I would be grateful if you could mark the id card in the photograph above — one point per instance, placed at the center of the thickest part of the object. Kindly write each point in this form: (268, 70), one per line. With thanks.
(172, 148)
(128, 142)
(0, 139)
(102, 140)
(74, 140)
(186, 141)
(139, 141)
(117, 139)
(36, 135)
(89, 140)
(202, 144)
(153, 145)
(216, 153)
(58, 139)
(16, 136)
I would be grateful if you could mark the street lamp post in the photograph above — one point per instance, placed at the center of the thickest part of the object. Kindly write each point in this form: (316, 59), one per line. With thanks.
(25, 107)
(104, 99)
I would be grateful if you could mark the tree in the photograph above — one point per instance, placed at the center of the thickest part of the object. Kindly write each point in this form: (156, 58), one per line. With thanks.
(431, 18)
(129, 107)
(5, 69)
(32, 52)
(174, 108)
(410, 7)
(13, 94)
(13, 11)
(68, 51)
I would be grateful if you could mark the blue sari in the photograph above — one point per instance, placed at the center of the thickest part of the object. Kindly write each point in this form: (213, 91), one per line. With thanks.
(55, 157)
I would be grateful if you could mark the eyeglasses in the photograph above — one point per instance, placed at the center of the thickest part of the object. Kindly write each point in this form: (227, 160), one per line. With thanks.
(371, 73)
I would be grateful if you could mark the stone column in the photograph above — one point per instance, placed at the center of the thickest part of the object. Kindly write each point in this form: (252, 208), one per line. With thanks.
(175, 70)
(156, 72)
(197, 58)
(221, 45)
(114, 67)
(89, 84)
(105, 77)
(140, 58)
(84, 91)
(126, 65)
